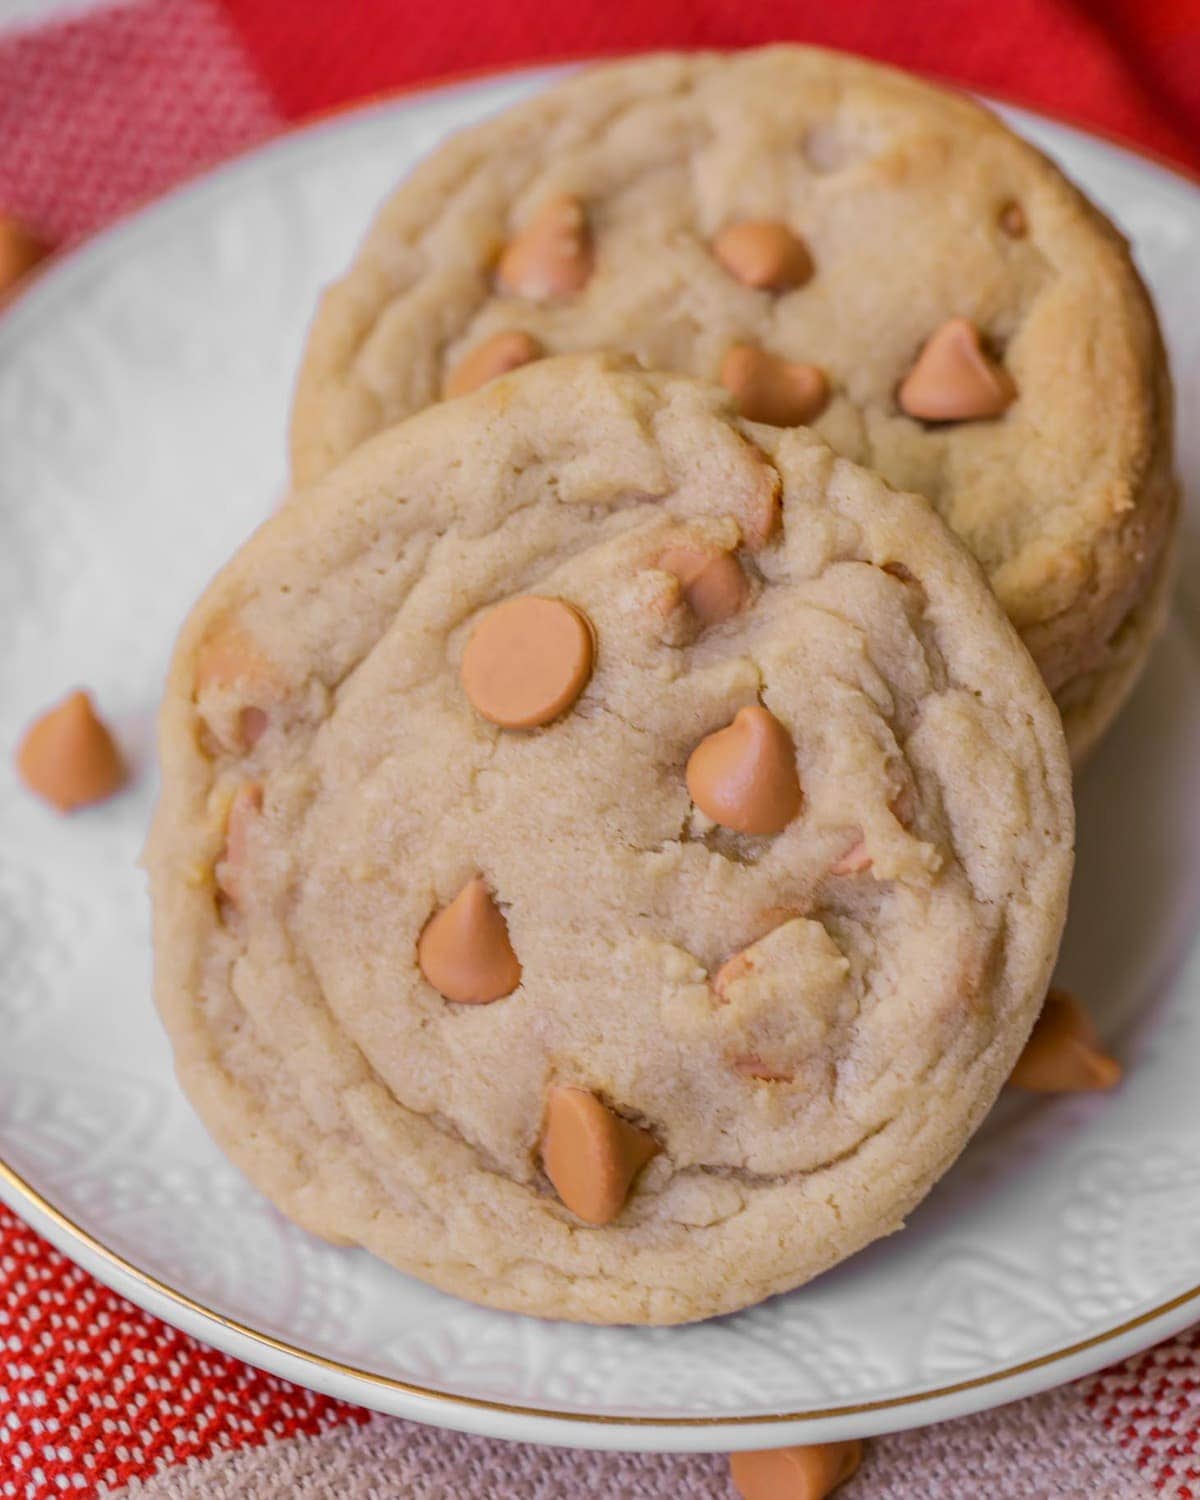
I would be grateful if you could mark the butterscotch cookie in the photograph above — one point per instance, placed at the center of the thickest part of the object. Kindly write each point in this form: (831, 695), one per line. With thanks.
(839, 244)
(610, 855)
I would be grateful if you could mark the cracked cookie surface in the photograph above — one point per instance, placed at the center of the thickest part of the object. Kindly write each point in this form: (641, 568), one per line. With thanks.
(802, 225)
(503, 1004)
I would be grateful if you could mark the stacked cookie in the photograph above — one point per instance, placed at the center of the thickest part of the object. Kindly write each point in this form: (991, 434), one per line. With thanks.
(837, 244)
(613, 845)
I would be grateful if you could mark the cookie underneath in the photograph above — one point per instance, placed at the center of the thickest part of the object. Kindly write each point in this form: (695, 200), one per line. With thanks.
(838, 243)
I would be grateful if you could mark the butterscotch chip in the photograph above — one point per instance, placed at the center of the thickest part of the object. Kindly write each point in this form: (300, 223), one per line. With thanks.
(504, 351)
(1063, 1054)
(763, 253)
(1013, 220)
(20, 251)
(252, 725)
(230, 662)
(801, 1473)
(552, 256)
(857, 857)
(901, 189)
(804, 1107)
(744, 776)
(69, 757)
(760, 519)
(735, 967)
(773, 390)
(591, 1154)
(527, 661)
(464, 949)
(244, 810)
(713, 583)
(762, 1036)
(230, 658)
(854, 861)
(955, 379)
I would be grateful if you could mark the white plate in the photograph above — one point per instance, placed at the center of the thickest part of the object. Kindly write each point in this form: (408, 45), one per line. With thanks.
(144, 384)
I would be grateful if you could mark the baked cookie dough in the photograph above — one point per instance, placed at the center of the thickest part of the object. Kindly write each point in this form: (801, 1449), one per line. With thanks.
(610, 855)
(840, 244)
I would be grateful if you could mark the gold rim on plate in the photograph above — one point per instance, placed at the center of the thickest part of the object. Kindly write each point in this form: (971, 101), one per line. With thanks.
(29, 1194)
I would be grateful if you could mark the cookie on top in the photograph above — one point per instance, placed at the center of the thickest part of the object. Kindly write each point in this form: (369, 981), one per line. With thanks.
(610, 854)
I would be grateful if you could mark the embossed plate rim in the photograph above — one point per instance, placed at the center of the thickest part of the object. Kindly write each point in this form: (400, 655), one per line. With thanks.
(542, 1424)
(576, 1429)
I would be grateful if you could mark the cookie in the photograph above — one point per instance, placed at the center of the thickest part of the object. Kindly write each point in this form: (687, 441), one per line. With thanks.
(610, 855)
(838, 243)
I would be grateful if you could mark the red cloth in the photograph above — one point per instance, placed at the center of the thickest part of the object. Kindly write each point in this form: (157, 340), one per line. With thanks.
(101, 111)
(94, 1392)
(1130, 68)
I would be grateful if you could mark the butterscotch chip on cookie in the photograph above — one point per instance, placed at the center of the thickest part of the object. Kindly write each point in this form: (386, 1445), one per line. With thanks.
(527, 661)
(534, 957)
(954, 379)
(713, 582)
(465, 952)
(840, 245)
(591, 1155)
(551, 257)
(763, 253)
(769, 389)
(495, 356)
(744, 776)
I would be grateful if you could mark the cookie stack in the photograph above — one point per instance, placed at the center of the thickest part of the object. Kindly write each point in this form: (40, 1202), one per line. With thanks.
(614, 843)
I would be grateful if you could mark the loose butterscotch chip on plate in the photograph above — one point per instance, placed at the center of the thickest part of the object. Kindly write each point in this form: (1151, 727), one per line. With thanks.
(21, 250)
(1063, 1054)
(69, 757)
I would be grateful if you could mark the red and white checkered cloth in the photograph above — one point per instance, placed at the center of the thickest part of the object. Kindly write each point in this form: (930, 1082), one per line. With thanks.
(101, 111)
